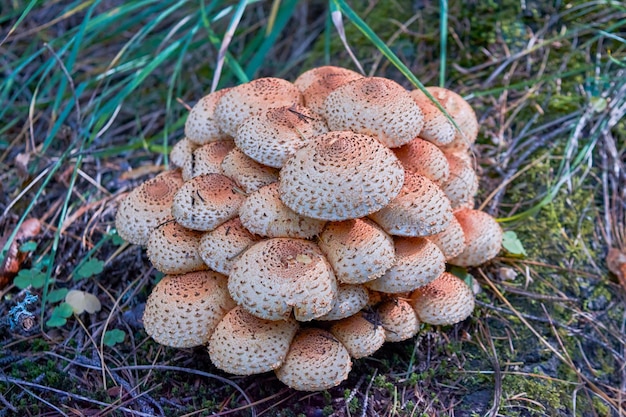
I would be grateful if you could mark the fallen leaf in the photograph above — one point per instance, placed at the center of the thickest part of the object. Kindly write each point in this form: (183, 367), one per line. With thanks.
(14, 258)
(83, 301)
(616, 261)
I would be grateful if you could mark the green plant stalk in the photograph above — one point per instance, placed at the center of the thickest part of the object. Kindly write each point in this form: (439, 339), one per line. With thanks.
(443, 41)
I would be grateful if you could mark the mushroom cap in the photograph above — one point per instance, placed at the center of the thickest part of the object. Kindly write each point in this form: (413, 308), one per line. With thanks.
(339, 176)
(360, 336)
(147, 206)
(274, 134)
(398, 319)
(437, 128)
(265, 214)
(421, 209)
(181, 152)
(201, 126)
(462, 184)
(318, 83)
(246, 172)
(173, 249)
(418, 262)
(246, 99)
(277, 275)
(309, 77)
(424, 158)
(358, 250)
(350, 299)
(376, 107)
(183, 310)
(221, 246)
(207, 159)
(446, 300)
(243, 344)
(483, 237)
(451, 241)
(316, 361)
(206, 201)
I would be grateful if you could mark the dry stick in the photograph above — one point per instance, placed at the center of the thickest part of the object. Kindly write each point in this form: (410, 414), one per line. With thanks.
(366, 399)
(495, 363)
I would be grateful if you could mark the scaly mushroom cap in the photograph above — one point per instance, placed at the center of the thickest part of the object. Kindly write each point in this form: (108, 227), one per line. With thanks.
(181, 152)
(422, 157)
(360, 336)
(147, 206)
(451, 241)
(398, 319)
(274, 134)
(201, 126)
(173, 249)
(257, 95)
(446, 300)
(421, 209)
(318, 83)
(483, 237)
(462, 184)
(206, 201)
(248, 173)
(277, 275)
(376, 107)
(459, 110)
(437, 128)
(207, 159)
(418, 262)
(183, 310)
(220, 247)
(339, 176)
(316, 361)
(350, 300)
(358, 250)
(243, 344)
(265, 214)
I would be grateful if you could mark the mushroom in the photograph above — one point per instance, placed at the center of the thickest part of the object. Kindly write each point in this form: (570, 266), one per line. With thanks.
(350, 299)
(173, 249)
(147, 206)
(206, 201)
(317, 83)
(243, 344)
(376, 107)
(265, 214)
(424, 158)
(183, 310)
(275, 276)
(483, 237)
(446, 300)
(246, 172)
(181, 152)
(462, 184)
(451, 241)
(207, 159)
(358, 250)
(398, 319)
(274, 134)
(360, 336)
(201, 126)
(316, 361)
(339, 176)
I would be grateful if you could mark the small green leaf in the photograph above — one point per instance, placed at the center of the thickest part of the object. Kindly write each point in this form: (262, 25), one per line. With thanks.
(116, 239)
(512, 244)
(27, 277)
(57, 295)
(462, 273)
(90, 268)
(59, 315)
(113, 337)
(29, 246)
(56, 321)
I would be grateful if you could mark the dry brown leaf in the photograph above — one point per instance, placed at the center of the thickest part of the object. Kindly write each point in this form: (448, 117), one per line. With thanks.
(616, 261)
(14, 259)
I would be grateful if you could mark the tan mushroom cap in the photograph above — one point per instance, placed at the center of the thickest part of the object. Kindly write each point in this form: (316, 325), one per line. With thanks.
(483, 237)
(220, 247)
(201, 126)
(173, 249)
(339, 176)
(206, 201)
(316, 361)
(246, 99)
(275, 276)
(451, 241)
(318, 83)
(274, 134)
(424, 158)
(358, 250)
(350, 299)
(446, 300)
(243, 344)
(421, 209)
(360, 336)
(398, 319)
(462, 184)
(207, 159)
(418, 262)
(147, 206)
(376, 107)
(309, 77)
(246, 172)
(437, 129)
(183, 310)
(265, 214)
(181, 152)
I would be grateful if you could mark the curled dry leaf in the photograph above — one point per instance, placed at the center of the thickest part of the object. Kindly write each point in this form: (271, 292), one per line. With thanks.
(616, 261)
(14, 258)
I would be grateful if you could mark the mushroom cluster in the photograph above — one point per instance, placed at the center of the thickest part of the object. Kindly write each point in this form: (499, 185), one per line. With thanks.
(307, 223)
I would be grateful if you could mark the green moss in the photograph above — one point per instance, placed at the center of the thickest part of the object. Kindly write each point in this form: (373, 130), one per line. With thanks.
(547, 397)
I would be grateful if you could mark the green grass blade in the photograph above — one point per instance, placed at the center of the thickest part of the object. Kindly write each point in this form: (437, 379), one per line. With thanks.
(25, 13)
(443, 36)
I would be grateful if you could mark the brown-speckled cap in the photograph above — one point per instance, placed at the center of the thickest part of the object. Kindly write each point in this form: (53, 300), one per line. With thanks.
(207, 159)
(246, 172)
(483, 237)
(360, 336)
(462, 183)
(201, 126)
(422, 157)
(350, 299)
(446, 300)
(173, 249)
(316, 84)
(398, 319)
(451, 241)
(181, 152)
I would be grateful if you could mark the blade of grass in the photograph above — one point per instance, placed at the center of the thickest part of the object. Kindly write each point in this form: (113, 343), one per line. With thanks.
(443, 40)
(228, 36)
